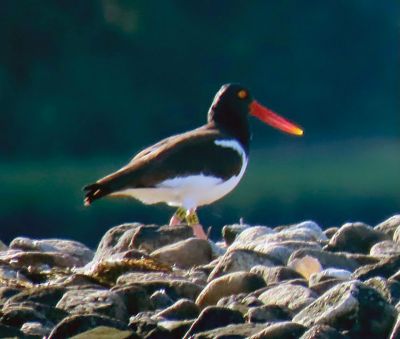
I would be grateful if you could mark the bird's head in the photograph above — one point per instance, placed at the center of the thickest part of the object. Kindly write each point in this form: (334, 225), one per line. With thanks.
(234, 102)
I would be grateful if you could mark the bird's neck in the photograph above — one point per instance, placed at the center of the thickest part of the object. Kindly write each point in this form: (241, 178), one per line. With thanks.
(235, 127)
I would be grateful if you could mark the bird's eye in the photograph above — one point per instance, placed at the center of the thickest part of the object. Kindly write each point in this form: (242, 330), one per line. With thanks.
(242, 94)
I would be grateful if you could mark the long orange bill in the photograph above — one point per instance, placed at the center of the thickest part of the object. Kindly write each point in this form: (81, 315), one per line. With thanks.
(273, 119)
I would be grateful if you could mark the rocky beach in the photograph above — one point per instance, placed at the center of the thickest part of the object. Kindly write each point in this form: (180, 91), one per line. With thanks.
(150, 281)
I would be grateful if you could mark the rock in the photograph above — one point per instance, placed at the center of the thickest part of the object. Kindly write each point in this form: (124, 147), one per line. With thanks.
(175, 288)
(330, 232)
(311, 227)
(48, 295)
(185, 253)
(10, 332)
(281, 330)
(396, 235)
(160, 300)
(39, 261)
(355, 238)
(344, 261)
(116, 240)
(239, 260)
(268, 313)
(94, 301)
(106, 332)
(389, 226)
(389, 289)
(175, 328)
(233, 283)
(323, 332)
(386, 248)
(18, 315)
(134, 298)
(384, 268)
(230, 232)
(150, 237)
(325, 285)
(79, 251)
(293, 297)
(10, 276)
(252, 233)
(306, 266)
(353, 307)
(79, 323)
(277, 274)
(328, 274)
(35, 329)
(213, 317)
(236, 331)
(183, 309)
(6, 293)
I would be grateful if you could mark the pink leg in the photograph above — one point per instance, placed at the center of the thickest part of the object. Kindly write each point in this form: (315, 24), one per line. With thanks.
(194, 222)
(175, 221)
(178, 217)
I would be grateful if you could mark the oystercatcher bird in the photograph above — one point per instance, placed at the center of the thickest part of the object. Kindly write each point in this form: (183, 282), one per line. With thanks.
(195, 168)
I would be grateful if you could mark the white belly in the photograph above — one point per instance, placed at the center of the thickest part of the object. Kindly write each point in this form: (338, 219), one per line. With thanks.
(191, 191)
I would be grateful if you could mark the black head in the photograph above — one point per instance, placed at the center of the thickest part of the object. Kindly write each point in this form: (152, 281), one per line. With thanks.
(233, 100)
(230, 109)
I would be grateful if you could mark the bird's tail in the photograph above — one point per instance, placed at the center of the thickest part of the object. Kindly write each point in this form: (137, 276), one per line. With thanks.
(93, 192)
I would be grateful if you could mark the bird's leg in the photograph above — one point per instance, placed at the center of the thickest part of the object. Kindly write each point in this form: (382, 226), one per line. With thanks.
(193, 220)
(178, 217)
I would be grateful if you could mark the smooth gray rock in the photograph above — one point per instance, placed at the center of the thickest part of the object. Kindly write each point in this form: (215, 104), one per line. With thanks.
(346, 261)
(384, 268)
(329, 273)
(355, 238)
(213, 317)
(102, 332)
(174, 288)
(386, 248)
(230, 232)
(330, 232)
(233, 283)
(389, 289)
(48, 295)
(73, 248)
(323, 332)
(78, 323)
(185, 253)
(281, 330)
(277, 274)
(293, 297)
(151, 237)
(35, 329)
(90, 301)
(235, 331)
(183, 309)
(268, 313)
(160, 300)
(134, 298)
(239, 260)
(389, 226)
(353, 307)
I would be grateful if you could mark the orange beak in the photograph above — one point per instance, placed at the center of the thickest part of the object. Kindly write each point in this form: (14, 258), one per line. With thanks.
(273, 119)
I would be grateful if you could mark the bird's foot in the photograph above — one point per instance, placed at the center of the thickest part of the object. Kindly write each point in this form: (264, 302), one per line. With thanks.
(193, 221)
(178, 217)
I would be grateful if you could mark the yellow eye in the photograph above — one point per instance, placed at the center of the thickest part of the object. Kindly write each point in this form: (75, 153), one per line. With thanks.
(242, 94)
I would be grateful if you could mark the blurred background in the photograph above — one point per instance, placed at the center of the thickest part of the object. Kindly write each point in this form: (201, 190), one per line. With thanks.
(84, 85)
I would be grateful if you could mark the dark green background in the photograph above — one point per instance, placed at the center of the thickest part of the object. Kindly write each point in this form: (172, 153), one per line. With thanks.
(84, 85)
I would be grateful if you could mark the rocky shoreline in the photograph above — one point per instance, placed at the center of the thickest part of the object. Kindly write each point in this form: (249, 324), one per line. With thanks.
(149, 281)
